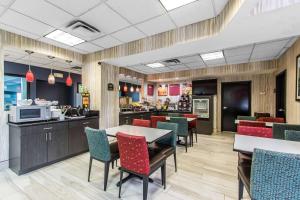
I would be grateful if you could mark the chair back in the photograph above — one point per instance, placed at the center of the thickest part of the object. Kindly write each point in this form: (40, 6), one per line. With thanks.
(255, 131)
(274, 175)
(252, 123)
(174, 114)
(292, 135)
(171, 140)
(193, 123)
(249, 118)
(183, 128)
(141, 122)
(134, 154)
(98, 144)
(155, 119)
(271, 119)
(278, 129)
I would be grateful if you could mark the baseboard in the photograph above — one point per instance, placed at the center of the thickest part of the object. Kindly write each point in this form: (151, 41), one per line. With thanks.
(3, 165)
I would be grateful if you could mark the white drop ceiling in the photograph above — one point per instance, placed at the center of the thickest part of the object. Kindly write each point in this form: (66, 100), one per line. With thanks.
(120, 21)
(250, 53)
(39, 60)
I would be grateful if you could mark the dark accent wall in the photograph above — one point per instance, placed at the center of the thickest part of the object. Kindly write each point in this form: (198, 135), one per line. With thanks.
(41, 76)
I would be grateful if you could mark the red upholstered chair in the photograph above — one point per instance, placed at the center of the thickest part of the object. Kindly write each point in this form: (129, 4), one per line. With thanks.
(192, 124)
(255, 131)
(155, 119)
(252, 123)
(141, 122)
(271, 119)
(135, 159)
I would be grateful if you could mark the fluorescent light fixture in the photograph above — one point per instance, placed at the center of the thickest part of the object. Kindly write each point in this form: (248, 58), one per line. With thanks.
(63, 37)
(172, 4)
(155, 65)
(212, 56)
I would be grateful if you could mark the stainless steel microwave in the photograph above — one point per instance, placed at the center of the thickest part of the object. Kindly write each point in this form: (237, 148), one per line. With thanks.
(19, 114)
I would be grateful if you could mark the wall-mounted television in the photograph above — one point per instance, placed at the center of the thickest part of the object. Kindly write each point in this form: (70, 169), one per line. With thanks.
(204, 87)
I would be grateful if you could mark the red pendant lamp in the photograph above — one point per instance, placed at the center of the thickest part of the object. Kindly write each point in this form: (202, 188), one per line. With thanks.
(125, 88)
(69, 80)
(29, 74)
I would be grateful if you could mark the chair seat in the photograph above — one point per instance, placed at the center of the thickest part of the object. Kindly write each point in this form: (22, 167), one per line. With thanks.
(114, 150)
(156, 161)
(163, 149)
(244, 171)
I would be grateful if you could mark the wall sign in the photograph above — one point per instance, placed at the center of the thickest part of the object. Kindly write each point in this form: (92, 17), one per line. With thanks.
(150, 89)
(174, 89)
(110, 87)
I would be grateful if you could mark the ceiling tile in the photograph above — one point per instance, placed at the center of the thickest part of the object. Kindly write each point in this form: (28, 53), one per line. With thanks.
(42, 11)
(165, 69)
(261, 59)
(25, 23)
(107, 42)
(193, 12)
(151, 27)
(18, 31)
(76, 8)
(217, 62)
(137, 10)
(129, 34)
(190, 59)
(238, 51)
(105, 19)
(237, 59)
(178, 67)
(5, 2)
(196, 65)
(219, 5)
(53, 42)
(88, 47)
(269, 48)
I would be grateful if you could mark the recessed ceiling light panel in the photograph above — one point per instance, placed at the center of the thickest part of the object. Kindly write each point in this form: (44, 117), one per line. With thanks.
(212, 56)
(155, 65)
(65, 38)
(172, 4)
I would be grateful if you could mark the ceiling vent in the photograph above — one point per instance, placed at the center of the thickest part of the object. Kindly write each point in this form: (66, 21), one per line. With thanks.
(76, 68)
(172, 61)
(82, 28)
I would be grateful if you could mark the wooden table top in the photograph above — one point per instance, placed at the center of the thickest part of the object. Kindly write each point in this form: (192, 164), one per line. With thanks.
(151, 134)
(188, 119)
(246, 144)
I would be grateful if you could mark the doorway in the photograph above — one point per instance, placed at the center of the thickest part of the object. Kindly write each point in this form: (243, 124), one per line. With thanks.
(281, 94)
(235, 100)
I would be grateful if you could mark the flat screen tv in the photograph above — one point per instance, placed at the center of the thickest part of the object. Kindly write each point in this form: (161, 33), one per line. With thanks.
(204, 87)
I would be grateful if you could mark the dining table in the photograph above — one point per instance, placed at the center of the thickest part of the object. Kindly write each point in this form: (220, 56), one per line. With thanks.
(151, 135)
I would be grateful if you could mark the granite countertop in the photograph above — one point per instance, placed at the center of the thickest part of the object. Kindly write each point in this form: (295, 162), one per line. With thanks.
(48, 122)
(133, 112)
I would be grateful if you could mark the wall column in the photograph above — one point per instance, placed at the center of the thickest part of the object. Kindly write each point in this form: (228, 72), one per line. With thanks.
(109, 99)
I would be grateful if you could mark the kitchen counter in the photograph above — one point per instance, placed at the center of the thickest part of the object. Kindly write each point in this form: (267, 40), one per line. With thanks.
(34, 145)
(48, 122)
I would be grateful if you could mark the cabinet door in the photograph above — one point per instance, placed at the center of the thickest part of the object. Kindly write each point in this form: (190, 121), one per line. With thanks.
(33, 147)
(57, 141)
(75, 137)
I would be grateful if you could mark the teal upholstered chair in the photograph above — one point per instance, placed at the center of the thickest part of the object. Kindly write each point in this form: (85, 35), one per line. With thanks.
(274, 175)
(292, 135)
(183, 128)
(174, 114)
(168, 145)
(101, 150)
(248, 118)
(279, 129)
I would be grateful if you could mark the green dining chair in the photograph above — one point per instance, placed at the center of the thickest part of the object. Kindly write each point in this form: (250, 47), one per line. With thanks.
(183, 128)
(101, 150)
(292, 135)
(167, 145)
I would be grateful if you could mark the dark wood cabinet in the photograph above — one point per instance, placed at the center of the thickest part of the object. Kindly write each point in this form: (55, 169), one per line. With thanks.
(77, 138)
(128, 118)
(33, 145)
(57, 139)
